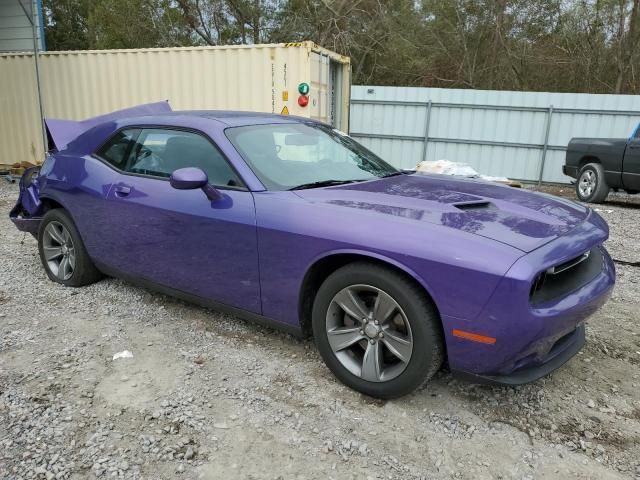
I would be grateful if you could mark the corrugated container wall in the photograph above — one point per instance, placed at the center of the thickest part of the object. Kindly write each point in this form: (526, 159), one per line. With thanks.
(82, 84)
(499, 133)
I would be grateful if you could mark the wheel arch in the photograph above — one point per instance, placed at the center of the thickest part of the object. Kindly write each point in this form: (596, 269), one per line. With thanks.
(50, 203)
(586, 160)
(323, 266)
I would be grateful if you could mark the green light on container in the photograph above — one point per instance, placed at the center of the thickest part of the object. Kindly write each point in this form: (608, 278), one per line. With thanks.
(303, 88)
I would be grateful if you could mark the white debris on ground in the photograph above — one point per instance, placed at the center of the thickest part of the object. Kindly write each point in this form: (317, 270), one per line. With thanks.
(456, 169)
(210, 396)
(123, 354)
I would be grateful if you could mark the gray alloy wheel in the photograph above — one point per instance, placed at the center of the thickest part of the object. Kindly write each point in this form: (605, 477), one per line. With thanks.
(587, 183)
(62, 251)
(369, 333)
(592, 185)
(59, 251)
(377, 330)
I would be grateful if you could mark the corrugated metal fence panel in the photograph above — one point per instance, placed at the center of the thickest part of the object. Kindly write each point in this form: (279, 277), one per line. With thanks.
(498, 133)
(20, 135)
(79, 85)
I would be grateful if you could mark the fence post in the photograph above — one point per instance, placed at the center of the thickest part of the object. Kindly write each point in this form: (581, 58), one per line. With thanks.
(546, 144)
(427, 121)
(31, 17)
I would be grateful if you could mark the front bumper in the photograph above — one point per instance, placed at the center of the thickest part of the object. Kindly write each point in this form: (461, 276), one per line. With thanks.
(29, 225)
(560, 354)
(25, 215)
(532, 340)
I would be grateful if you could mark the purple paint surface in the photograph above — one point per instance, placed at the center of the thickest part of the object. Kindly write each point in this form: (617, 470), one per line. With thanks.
(475, 247)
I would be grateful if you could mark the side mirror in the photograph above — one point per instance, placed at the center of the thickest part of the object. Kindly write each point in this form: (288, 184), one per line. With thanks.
(188, 179)
(191, 178)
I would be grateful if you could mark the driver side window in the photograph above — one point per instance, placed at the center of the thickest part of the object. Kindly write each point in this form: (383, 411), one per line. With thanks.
(158, 152)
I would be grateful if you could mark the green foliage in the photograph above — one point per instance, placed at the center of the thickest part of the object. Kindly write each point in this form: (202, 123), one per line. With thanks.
(554, 45)
(66, 26)
(137, 24)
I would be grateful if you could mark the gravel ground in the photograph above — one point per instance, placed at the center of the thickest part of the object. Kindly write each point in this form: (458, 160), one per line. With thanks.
(210, 396)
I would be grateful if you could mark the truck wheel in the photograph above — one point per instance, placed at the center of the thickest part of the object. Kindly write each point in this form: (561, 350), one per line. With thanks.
(62, 252)
(376, 330)
(592, 186)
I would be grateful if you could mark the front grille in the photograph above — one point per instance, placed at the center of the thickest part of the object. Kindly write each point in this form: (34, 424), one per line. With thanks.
(562, 279)
(569, 264)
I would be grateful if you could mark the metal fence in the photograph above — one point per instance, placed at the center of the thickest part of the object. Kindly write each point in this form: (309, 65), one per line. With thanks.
(520, 135)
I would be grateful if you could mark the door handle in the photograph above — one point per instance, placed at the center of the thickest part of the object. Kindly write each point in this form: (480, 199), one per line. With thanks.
(122, 190)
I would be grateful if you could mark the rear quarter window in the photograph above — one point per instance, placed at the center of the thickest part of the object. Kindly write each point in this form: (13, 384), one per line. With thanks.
(116, 151)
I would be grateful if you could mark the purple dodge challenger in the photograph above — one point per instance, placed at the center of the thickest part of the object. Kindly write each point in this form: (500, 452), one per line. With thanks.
(288, 221)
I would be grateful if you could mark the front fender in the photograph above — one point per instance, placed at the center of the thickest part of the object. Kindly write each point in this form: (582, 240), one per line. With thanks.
(373, 255)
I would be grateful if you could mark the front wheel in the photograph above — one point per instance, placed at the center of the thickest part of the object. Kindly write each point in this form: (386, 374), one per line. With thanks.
(62, 252)
(592, 186)
(377, 331)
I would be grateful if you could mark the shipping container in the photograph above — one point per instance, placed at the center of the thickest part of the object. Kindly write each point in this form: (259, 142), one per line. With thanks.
(81, 84)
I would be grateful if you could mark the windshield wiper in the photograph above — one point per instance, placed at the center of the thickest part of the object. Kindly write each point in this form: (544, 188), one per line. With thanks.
(394, 174)
(322, 183)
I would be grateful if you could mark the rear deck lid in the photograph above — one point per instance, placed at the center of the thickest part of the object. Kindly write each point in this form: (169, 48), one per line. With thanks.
(62, 132)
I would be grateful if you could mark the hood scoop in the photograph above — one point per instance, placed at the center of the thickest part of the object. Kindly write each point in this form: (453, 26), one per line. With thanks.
(480, 205)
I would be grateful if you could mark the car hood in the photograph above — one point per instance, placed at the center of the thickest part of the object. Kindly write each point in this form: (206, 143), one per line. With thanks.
(515, 217)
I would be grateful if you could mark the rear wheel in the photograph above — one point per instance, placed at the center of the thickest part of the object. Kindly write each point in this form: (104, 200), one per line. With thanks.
(62, 252)
(376, 330)
(592, 186)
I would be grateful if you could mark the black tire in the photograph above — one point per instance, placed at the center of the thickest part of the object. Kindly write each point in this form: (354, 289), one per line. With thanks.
(586, 190)
(425, 326)
(83, 271)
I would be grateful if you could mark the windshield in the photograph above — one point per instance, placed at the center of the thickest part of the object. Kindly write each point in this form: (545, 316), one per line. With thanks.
(285, 156)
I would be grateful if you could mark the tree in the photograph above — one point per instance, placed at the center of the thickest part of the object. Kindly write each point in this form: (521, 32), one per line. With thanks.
(137, 24)
(66, 24)
(378, 36)
(553, 45)
(218, 22)
(627, 42)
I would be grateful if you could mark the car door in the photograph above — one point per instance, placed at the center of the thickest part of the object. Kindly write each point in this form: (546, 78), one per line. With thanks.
(631, 163)
(179, 238)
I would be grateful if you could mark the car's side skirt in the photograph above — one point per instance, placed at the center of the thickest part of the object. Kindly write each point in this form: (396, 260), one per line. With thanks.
(203, 302)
